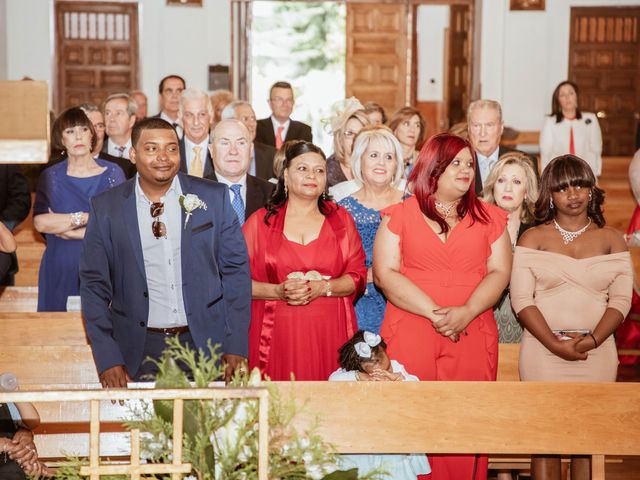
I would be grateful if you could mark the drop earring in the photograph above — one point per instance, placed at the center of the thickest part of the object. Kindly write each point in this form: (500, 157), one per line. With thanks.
(551, 203)
(324, 197)
(590, 196)
(286, 190)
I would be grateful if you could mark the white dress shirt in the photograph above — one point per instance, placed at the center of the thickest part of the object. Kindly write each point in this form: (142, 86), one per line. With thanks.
(243, 188)
(173, 122)
(112, 149)
(190, 154)
(485, 163)
(162, 258)
(277, 124)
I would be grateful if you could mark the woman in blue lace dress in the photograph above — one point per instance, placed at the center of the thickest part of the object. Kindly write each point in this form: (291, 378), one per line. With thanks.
(377, 165)
(61, 208)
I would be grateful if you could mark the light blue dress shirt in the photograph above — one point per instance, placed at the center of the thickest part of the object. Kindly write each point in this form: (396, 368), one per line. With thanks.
(162, 258)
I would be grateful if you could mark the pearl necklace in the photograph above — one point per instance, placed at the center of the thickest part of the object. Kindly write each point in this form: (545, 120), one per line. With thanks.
(446, 208)
(568, 236)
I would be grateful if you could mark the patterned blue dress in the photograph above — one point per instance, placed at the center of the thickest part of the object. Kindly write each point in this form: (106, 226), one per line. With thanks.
(371, 306)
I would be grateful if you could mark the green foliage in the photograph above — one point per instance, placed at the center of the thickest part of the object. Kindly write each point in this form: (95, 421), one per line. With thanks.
(221, 437)
(316, 31)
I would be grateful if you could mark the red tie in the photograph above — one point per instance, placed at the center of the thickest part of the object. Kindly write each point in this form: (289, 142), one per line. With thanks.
(279, 141)
(572, 148)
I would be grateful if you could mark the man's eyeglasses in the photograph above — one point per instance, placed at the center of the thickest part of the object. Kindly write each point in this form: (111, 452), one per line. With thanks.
(158, 228)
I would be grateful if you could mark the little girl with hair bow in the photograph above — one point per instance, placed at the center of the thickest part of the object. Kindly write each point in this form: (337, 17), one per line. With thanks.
(364, 358)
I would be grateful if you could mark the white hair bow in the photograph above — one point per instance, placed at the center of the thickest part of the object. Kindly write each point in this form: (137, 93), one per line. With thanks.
(372, 339)
(363, 350)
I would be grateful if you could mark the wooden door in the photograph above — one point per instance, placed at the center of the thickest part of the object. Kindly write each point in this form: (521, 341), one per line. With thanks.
(376, 63)
(459, 48)
(605, 64)
(96, 51)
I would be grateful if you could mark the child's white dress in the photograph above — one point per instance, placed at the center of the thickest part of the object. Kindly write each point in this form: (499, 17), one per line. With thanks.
(397, 466)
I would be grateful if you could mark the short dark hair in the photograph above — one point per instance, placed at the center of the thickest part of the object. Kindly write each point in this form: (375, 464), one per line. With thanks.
(349, 359)
(286, 85)
(161, 86)
(562, 172)
(149, 123)
(73, 117)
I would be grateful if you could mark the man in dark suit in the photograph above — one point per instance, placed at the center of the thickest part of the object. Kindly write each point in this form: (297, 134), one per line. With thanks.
(485, 125)
(261, 164)
(97, 120)
(231, 152)
(279, 127)
(163, 254)
(15, 203)
(196, 113)
(170, 89)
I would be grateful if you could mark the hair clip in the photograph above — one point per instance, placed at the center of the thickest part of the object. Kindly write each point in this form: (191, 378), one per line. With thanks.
(363, 350)
(372, 339)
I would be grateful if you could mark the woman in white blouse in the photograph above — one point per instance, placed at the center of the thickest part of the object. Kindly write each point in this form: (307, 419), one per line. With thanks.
(568, 130)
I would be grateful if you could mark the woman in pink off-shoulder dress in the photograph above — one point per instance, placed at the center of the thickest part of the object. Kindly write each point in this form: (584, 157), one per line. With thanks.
(571, 288)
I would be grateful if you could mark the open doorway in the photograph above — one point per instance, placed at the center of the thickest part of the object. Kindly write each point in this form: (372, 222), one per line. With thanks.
(303, 43)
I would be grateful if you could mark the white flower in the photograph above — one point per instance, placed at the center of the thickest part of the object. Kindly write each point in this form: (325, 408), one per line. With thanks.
(189, 203)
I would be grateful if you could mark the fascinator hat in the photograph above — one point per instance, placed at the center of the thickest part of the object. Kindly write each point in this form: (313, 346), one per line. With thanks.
(341, 111)
(363, 349)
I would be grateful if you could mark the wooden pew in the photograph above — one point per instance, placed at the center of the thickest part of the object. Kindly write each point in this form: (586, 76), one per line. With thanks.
(596, 419)
(18, 299)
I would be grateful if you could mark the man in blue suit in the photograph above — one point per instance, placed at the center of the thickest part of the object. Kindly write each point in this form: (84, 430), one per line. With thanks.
(163, 255)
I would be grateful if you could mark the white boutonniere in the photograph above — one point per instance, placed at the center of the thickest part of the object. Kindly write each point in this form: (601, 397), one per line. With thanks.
(189, 203)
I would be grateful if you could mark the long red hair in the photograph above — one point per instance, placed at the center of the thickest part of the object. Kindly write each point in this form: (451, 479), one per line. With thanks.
(433, 160)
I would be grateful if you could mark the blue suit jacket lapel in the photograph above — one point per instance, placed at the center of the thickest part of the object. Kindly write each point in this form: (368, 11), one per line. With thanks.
(131, 223)
(185, 245)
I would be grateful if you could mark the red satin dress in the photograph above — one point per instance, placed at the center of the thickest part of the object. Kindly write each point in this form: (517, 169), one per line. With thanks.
(302, 340)
(448, 272)
(628, 333)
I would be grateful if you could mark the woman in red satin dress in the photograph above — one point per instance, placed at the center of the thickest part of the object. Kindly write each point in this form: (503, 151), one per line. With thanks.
(298, 324)
(443, 258)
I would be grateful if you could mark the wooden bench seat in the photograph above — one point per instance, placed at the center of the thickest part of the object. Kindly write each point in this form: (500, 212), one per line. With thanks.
(18, 299)
(436, 417)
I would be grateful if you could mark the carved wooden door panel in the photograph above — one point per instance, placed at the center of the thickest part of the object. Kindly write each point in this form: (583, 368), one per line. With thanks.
(605, 64)
(376, 63)
(459, 63)
(96, 51)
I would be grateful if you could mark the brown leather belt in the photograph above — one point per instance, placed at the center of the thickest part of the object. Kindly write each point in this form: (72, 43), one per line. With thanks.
(169, 331)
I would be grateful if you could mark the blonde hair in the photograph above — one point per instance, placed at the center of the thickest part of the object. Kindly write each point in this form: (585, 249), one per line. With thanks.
(531, 184)
(484, 103)
(362, 141)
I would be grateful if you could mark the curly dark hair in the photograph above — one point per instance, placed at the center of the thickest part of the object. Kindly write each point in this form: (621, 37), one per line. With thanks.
(349, 358)
(294, 149)
(562, 172)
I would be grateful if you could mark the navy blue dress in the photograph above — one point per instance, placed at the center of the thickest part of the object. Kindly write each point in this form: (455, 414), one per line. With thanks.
(58, 277)
(369, 307)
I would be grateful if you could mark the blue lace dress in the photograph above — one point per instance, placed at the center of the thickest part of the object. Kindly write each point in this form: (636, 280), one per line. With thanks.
(371, 306)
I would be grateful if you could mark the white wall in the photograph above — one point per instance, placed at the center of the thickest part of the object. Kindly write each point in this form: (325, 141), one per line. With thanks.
(431, 22)
(182, 40)
(525, 54)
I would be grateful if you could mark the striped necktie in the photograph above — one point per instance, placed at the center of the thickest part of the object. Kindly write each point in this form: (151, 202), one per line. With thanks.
(237, 203)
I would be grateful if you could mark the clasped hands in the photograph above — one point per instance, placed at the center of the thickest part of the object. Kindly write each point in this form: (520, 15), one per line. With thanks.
(451, 321)
(297, 291)
(574, 349)
(22, 450)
